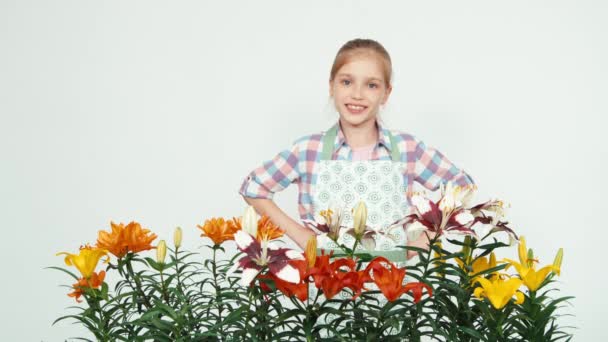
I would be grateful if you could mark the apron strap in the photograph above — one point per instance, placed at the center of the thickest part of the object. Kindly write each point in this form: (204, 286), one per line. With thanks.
(329, 139)
(395, 154)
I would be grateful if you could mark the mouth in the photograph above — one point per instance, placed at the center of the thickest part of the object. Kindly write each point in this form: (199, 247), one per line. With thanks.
(355, 109)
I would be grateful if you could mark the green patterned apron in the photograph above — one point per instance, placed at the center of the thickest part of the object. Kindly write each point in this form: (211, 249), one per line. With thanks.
(378, 183)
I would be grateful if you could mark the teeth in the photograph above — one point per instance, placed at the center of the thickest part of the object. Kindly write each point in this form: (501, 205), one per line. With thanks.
(355, 107)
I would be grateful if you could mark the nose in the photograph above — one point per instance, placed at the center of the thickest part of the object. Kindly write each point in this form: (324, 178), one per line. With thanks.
(356, 92)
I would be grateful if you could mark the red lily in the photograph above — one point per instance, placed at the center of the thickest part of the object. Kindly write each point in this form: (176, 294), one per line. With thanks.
(390, 281)
(334, 276)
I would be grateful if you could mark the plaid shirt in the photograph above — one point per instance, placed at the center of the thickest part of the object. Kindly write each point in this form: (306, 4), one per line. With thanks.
(425, 165)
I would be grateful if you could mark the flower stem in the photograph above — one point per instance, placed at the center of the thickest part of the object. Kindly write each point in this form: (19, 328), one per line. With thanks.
(218, 290)
(138, 286)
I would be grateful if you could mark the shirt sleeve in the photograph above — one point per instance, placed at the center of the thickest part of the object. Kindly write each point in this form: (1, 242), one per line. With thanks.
(433, 168)
(273, 175)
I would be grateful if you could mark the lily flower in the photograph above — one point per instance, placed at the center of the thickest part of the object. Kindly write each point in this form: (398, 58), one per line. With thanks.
(428, 214)
(92, 282)
(300, 289)
(390, 281)
(266, 230)
(499, 291)
(479, 265)
(497, 208)
(454, 196)
(219, 230)
(86, 260)
(259, 255)
(123, 239)
(526, 268)
(328, 221)
(332, 277)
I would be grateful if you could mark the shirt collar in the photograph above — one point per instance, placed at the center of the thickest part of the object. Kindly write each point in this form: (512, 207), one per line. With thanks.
(383, 137)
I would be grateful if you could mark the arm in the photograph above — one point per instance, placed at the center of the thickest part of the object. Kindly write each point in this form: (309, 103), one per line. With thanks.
(275, 175)
(294, 230)
(433, 168)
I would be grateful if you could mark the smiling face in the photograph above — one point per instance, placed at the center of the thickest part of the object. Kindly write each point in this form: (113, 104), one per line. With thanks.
(359, 88)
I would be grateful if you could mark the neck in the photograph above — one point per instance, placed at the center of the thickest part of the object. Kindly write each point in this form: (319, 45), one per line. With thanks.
(361, 135)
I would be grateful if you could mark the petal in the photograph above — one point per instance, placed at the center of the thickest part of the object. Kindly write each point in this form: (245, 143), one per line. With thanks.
(293, 255)
(414, 231)
(243, 239)
(288, 273)
(369, 243)
(248, 275)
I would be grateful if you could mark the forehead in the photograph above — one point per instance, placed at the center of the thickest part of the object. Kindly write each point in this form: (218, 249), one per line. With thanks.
(363, 66)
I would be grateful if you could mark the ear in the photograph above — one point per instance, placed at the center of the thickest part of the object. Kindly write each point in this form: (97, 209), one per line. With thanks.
(389, 89)
(331, 89)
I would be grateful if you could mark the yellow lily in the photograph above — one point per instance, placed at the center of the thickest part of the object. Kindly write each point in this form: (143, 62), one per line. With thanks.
(526, 268)
(499, 291)
(479, 265)
(86, 260)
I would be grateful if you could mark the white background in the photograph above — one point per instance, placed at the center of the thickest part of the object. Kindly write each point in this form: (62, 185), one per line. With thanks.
(156, 111)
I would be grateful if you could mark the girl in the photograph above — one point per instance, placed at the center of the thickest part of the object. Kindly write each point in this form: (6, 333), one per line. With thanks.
(356, 159)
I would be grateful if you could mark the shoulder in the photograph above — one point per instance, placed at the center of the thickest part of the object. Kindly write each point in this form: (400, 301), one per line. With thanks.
(405, 140)
(307, 145)
(309, 142)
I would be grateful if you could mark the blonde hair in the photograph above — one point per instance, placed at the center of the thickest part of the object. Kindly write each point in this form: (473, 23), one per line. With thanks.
(357, 47)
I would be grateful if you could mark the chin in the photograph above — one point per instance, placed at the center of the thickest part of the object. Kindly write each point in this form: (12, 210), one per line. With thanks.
(356, 120)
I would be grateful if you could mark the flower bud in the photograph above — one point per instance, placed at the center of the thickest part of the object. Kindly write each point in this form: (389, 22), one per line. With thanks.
(177, 237)
(250, 221)
(161, 251)
(557, 263)
(360, 219)
(522, 251)
(311, 251)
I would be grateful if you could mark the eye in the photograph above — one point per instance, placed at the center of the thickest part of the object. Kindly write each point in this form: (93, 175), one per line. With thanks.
(346, 82)
(373, 85)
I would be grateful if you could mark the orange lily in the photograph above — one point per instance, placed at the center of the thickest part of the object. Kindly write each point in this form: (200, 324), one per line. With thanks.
(390, 281)
(123, 239)
(93, 282)
(266, 230)
(219, 230)
(86, 260)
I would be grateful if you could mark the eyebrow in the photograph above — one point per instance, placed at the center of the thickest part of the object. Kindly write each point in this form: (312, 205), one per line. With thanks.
(370, 78)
